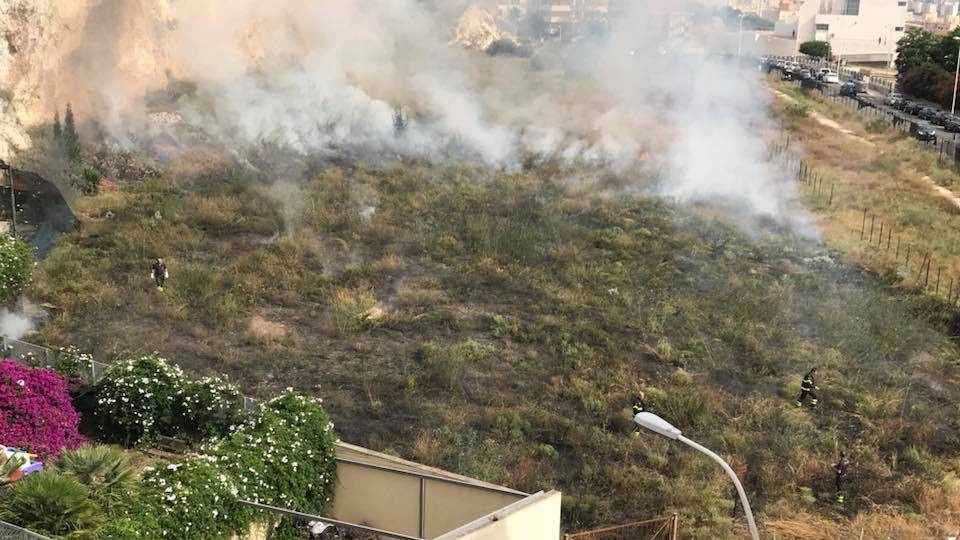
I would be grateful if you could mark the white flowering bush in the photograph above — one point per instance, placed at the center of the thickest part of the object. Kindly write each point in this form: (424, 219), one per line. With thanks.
(141, 398)
(72, 363)
(16, 265)
(207, 408)
(283, 456)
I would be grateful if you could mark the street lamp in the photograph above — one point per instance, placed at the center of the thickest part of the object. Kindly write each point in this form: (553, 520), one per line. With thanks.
(658, 425)
(953, 108)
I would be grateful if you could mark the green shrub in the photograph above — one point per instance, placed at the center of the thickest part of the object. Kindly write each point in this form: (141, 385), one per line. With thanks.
(142, 398)
(87, 180)
(284, 456)
(103, 469)
(52, 504)
(136, 399)
(16, 265)
(445, 365)
(798, 110)
(72, 363)
(207, 408)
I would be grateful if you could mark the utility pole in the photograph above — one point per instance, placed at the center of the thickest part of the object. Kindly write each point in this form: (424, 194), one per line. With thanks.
(13, 197)
(956, 77)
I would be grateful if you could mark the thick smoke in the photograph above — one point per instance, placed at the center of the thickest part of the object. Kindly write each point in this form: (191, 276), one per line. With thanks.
(327, 76)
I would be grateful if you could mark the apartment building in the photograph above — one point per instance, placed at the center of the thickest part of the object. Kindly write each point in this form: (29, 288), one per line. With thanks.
(857, 30)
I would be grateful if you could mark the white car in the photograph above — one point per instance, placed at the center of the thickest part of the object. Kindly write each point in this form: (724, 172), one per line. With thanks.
(831, 78)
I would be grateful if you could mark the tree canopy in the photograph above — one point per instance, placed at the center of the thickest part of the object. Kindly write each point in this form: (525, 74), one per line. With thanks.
(818, 49)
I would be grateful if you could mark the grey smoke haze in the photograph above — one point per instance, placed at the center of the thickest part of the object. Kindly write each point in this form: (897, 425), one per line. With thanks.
(324, 76)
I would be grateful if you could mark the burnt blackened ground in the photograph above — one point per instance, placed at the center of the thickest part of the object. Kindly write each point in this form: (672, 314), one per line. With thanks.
(499, 325)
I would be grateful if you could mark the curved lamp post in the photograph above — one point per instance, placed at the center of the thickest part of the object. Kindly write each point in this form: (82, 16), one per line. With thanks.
(658, 425)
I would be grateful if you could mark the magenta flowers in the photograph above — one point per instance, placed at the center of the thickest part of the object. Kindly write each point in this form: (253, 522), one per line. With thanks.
(36, 413)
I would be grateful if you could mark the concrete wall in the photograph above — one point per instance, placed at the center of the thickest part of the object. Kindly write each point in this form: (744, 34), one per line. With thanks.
(535, 518)
(401, 496)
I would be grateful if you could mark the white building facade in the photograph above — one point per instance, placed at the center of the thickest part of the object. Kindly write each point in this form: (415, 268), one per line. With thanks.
(857, 30)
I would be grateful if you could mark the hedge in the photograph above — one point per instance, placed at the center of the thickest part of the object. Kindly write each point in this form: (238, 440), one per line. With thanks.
(141, 398)
(283, 456)
(16, 265)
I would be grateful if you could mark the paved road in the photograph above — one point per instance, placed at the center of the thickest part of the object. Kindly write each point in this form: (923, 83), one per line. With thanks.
(875, 99)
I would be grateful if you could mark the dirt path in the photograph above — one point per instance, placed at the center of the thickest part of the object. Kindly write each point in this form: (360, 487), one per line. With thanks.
(826, 121)
(943, 192)
(834, 125)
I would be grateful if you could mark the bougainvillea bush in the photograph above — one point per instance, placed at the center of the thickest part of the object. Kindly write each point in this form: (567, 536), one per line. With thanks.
(36, 413)
(283, 456)
(141, 398)
(16, 265)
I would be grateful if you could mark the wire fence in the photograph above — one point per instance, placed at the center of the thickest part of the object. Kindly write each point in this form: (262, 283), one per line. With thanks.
(655, 529)
(945, 144)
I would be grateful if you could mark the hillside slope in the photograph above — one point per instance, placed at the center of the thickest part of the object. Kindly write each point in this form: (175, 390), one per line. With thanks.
(499, 325)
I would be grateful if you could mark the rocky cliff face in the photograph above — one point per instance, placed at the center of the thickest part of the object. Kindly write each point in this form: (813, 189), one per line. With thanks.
(99, 55)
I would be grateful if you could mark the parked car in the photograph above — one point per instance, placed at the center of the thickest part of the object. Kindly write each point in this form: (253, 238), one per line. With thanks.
(893, 99)
(951, 123)
(927, 113)
(831, 78)
(940, 118)
(851, 89)
(912, 107)
(923, 132)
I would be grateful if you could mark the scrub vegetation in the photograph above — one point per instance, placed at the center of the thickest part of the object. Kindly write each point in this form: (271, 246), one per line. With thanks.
(499, 325)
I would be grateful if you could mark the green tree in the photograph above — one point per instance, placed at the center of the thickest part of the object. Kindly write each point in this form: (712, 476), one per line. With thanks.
(916, 48)
(946, 52)
(51, 504)
(71, 139)
(817, 49)
(926, 81)
(57, 128)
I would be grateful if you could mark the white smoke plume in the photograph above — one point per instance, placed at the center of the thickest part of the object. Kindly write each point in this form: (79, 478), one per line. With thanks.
(17, 324)
(326, 77)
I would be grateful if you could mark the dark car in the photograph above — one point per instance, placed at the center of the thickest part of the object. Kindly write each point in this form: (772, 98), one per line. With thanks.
(902, 104)
(927, 113)
(923, 132)
(941, 118)
(951, 123)
(913, 108)
(852, 89)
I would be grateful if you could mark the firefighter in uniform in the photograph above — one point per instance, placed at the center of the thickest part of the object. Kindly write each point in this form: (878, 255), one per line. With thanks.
(638, 407)
(840, 470)
(158, 271)
(807, 386)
